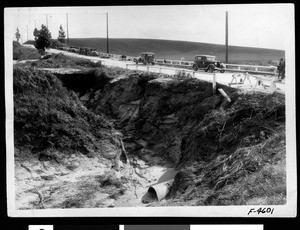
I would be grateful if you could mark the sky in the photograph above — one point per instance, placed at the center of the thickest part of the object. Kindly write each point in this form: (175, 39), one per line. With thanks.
(250, 25)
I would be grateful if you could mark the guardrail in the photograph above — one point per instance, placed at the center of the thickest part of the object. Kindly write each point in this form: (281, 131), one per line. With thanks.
(272, 70)
(255, 69)
(174, 62)
(149, 67)
(229, 67)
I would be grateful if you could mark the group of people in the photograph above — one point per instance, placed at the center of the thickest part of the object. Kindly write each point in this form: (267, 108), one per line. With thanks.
(281, 69)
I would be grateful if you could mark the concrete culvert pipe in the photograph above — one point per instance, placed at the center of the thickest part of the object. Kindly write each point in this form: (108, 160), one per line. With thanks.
(157, 192)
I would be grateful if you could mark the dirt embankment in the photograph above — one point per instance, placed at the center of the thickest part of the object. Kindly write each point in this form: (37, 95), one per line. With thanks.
(24, 53)
(69, 131)
(60, 146)
(215, 145)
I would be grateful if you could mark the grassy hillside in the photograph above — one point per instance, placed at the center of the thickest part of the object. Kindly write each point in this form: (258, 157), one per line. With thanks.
(177, 49)
(24, 53)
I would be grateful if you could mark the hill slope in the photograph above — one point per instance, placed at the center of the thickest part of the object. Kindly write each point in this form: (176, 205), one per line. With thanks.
(24, 53)
(177, 49)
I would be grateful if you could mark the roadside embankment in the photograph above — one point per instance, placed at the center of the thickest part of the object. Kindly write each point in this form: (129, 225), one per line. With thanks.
(101, 137)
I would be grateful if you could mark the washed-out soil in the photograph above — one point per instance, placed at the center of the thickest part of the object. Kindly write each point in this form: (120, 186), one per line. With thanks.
(101, 137)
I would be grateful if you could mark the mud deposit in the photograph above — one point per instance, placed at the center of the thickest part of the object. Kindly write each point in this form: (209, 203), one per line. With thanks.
(102, 137)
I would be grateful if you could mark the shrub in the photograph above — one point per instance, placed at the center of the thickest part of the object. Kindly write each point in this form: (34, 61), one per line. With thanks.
(43, 38)
(55, 44)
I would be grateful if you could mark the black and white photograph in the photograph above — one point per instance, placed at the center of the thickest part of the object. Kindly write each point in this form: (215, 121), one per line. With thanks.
(159, 110)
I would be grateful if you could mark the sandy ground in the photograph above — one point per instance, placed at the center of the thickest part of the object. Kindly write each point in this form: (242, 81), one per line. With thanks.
(73, 183)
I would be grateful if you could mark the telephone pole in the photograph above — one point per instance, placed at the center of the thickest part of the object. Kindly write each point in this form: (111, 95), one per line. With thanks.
(68, 30)
(226, 38)
(27, 32)
(107, 42)
(47, 20)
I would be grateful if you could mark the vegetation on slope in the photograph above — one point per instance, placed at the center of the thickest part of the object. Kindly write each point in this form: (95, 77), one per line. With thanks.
(24, 53)
(254, 175)
(63, 61)
(236, 156)
(47, 115)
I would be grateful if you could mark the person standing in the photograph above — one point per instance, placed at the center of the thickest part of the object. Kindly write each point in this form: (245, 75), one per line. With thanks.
(281, 69)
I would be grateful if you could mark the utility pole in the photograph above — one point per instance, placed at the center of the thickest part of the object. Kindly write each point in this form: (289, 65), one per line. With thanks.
(107, 42)
(27, 32)
(226, 38)
(47, 20)
(34, 23)
(68, 30)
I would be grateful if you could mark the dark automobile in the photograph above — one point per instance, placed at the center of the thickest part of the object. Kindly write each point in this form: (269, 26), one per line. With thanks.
(74, 49)
(208, 63)
(88, 51)
(145, 58)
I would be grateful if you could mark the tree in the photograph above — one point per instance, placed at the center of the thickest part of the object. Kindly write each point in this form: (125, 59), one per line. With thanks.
(18, 35)
(35, 33)
(43, 38)
(61, 35)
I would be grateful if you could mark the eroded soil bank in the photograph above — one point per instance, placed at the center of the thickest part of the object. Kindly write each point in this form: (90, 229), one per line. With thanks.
(102, 137)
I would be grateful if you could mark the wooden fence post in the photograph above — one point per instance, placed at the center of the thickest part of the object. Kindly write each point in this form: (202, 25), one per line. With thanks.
(214, 84)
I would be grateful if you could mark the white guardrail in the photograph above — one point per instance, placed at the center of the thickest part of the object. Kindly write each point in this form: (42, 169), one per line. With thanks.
(159, 68)
(268, 70)
(174, 62)
(272, 70)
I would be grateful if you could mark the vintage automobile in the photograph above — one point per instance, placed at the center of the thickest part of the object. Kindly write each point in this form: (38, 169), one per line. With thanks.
(145, 58)
(88, 51)
(208, 63)
(64, 48)
(74, 49)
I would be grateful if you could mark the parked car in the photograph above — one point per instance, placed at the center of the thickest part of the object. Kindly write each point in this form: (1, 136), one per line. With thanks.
(208, 63)
(64, 48)
(145, 58)
(73, 49)
(88, 51)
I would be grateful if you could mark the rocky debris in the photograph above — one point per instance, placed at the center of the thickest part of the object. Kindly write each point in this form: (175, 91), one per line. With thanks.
(46, 56)
(120, 98)
(47, 177)
(142, 143)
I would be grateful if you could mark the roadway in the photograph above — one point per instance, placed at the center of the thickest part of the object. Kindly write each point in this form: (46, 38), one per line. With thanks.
(221, 78)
